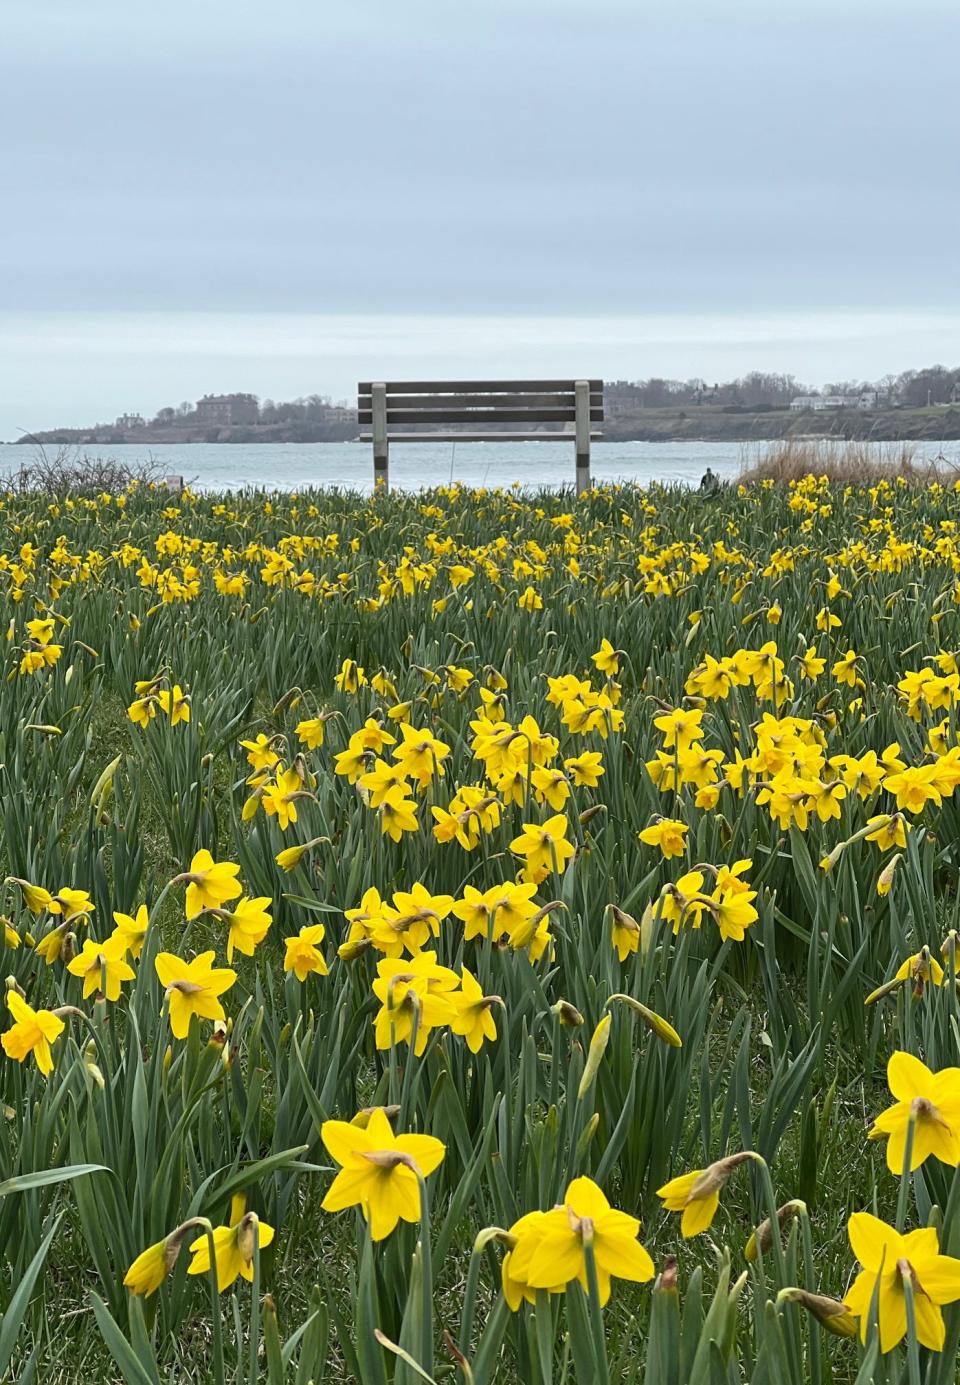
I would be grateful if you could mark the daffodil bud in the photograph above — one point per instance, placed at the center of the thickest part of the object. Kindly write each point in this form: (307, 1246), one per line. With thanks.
(598, 1046)
(349, 952)
(828, 862)
(654, 1022)
(90, 1064)
(248, 1235)
(102, 788)
(362, 1118)
(761, 1238)
(885, 879)
(290, 857)
(568, 1015)
(489, 1234)
(587, 1134)
(714, 1176)
(623, 919)
(830, 1313)
(883, 990)
(289, 698)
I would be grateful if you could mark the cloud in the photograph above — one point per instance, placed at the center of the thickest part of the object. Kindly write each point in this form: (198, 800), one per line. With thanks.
(522, 156)
(209, 177)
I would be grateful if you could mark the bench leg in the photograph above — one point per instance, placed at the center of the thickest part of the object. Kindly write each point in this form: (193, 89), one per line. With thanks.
(583, 472)
(582, 433)
(381, 451)
(381, 470)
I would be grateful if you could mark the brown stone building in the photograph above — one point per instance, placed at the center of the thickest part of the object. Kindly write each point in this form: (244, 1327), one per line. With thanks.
(226, 410)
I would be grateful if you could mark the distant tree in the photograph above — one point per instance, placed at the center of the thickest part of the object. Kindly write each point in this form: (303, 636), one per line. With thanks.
(761, 387)
(658, 394)
(933, 385)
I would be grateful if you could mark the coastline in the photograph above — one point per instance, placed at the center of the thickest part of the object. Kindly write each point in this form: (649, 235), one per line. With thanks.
(938, 423)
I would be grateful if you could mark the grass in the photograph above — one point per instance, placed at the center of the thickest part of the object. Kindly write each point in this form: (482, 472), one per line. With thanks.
(844, 463)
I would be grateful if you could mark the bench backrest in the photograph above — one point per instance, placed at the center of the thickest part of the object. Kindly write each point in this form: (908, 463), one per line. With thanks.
(477, 404)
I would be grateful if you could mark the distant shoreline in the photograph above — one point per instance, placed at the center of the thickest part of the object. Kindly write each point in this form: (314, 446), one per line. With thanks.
(696, 423)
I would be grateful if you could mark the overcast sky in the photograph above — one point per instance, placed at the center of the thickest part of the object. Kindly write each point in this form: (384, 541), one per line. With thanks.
(208, 194)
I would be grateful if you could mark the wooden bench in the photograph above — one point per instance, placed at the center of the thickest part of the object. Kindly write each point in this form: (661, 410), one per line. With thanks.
(479, 411)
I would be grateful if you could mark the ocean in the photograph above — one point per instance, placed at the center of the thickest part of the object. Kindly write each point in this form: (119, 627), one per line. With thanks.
(417, 466)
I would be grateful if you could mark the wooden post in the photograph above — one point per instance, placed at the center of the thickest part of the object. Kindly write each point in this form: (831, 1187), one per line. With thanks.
(381, 448)
(582, 433)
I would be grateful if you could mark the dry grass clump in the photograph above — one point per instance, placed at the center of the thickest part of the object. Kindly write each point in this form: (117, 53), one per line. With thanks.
(71, 472)
(846, 463)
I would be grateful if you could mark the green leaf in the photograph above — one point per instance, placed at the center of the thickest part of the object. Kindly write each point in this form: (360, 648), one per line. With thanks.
(42, 1178)
(131, 1368)
(12, 1319)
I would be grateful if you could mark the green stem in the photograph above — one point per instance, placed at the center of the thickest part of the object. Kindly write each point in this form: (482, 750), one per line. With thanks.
(596, 1312)
(426, 1324)
(218, 1369)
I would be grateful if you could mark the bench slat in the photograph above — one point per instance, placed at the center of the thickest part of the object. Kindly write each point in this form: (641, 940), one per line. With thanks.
(482, 437)
(480, 416)
(515, 400)
(475, 386)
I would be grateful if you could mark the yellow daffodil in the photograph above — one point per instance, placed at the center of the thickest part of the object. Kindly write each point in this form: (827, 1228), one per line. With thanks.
(193, 988)
(33, 1031)
(931, 1101)
(378, 1171)
(550, 1247)
(234, 1246)
(133, 930)
(545, 847)
(102, 966)
(668, 835)
(697, 1194)
(249, 924)
(888, 1259)
(210, 884)
(473, 1018)
(303, 954)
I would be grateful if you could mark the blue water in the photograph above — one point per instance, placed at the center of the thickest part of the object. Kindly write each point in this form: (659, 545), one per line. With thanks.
(294, 466)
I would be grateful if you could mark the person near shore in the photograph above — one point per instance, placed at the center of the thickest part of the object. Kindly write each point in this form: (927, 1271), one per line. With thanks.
(709, 483)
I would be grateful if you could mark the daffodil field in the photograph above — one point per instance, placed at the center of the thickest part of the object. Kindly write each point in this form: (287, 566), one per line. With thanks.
(481, 936)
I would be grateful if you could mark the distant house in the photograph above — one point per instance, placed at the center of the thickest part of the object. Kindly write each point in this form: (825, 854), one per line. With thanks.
(225, 410)
(130, 421)
(869, 399)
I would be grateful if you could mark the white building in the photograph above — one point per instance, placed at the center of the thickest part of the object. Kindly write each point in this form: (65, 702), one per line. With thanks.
(869, 399)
